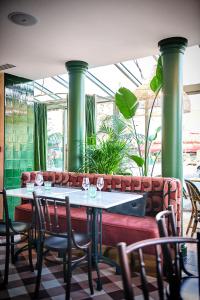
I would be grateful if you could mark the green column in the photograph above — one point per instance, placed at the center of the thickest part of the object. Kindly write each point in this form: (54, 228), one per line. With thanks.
(76, 114)
(172, 50)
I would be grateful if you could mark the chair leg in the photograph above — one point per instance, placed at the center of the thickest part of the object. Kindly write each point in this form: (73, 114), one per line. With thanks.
(6, 272)
(12, 249)
(89, 258)
(64, 268)
(30, 245)
(68, 279)
(189, 224)
(194, 227)
(39, 270)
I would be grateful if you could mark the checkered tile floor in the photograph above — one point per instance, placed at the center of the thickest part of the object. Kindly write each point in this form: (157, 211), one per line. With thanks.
(22, 282)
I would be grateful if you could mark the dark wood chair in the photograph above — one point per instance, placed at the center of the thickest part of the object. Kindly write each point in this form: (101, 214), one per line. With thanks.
(167, 227)
(65, 244)
(194, 195)
(9, 230)
(166, 249)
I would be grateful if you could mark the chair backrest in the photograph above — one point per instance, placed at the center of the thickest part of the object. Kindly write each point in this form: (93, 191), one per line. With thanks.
(163, 251)
(5, 211)
(47, 220)
(194, 193)
(167, 222)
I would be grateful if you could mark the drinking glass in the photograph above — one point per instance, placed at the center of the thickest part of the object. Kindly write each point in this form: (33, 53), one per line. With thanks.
(30, 186)
(39, 179)
(100, 183)
(92, 191)
(86, 183)
(47, 185)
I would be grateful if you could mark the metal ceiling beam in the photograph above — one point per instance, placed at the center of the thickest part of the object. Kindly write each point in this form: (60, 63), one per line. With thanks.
(46, 91)
(100, 84)
(61, 81)
(128, 74)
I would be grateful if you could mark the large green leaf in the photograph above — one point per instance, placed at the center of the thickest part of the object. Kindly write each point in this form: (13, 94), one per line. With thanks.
(155, 84)
(137, 159)
(157, 81)
(126, 102)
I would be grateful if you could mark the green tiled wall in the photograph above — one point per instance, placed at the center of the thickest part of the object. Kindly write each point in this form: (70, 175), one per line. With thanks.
(19, 125)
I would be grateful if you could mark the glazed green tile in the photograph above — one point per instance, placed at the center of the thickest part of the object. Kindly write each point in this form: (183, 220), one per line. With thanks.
(16, 181)
(8, 182)
(19, 125)
(16, 164)
(8, 164)
(16, 154)
(8, 173)
(16, 173)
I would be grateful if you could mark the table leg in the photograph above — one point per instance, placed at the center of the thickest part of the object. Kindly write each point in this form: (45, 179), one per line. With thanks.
(94, 218)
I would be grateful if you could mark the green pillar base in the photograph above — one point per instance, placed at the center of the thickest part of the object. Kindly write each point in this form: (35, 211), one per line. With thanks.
(184, 250)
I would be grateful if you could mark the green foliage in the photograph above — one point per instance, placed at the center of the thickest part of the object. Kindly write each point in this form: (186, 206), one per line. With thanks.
(105, 158)
(137, 159)
(126, 102)
(157, 81)
(154, 136)
(107, 154)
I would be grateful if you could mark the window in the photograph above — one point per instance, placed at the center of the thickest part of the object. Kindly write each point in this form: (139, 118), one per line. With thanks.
(55, 136)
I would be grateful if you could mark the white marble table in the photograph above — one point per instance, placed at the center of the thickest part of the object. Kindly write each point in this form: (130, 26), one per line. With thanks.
(103, 200)
(94, 207)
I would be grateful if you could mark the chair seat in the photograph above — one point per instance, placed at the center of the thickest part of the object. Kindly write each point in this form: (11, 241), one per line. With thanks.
(190, 288)
(56, 243)
(19, 227)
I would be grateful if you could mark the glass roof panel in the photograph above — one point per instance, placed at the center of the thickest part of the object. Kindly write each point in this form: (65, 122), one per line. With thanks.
(92, 88)
(191, 74)
(147, 65)
(65, 77)
(36, 92)
(44, 98)
(52, 85)
(112, 77)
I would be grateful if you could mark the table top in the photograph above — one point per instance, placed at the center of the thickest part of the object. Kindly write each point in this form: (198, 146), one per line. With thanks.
(102, 200)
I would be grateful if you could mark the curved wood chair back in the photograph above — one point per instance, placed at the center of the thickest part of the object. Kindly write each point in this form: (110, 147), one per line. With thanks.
(194, 195)
(163, 251)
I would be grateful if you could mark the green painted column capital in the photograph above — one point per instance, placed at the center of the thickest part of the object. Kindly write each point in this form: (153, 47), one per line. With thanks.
(173, 44)
(76, 65)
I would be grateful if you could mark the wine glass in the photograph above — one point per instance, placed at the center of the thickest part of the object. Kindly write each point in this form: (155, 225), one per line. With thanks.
(100, 183)
(39, 179)
(85, 183)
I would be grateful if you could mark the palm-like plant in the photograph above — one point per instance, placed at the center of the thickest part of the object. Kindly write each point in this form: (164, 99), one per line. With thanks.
(107, 154)
(105, 157)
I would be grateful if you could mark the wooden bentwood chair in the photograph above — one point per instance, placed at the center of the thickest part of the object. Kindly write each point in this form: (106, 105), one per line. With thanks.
(169, 261)
(167, 227)
(167, 250)
(66, 244)
(9, 230)
(194, 196)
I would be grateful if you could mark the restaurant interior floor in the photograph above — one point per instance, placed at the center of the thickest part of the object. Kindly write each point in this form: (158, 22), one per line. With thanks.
(22, 281)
